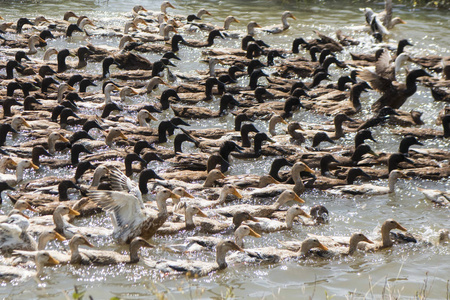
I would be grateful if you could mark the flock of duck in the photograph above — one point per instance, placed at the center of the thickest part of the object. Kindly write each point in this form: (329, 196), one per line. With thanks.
(106, 142)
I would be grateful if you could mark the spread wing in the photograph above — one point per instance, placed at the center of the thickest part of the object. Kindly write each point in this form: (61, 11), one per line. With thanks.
(377, 82)
(125, 206)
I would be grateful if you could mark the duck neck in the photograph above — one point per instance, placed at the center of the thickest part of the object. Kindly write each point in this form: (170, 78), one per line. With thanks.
(223, 196)
(59, 221)
(290, 216)
(189, 217)
(239, 239)
(39, 268)
(386, 240)
(304, 249)
(51, 146)
(411, 86)
(109, 139)
(142, 121)
(298, 183)
(42, 242)
(162, 205)
(150, 86)
(339, 132)
(122, 43)
(257, 146)
(134, 252)
(47, 55)
(227, 23)
(96, 179)
(392, 181)
(32, 47)
(60, 95)
(284, 22)
(272, 124)
(108, 96)
(353, 246)
(220, 258)
(354, 98)
(19, 172)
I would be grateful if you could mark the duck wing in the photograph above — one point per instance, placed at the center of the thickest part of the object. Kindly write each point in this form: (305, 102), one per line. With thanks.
(120, 182)
(377, 82)
(383, 66)
(125, 206)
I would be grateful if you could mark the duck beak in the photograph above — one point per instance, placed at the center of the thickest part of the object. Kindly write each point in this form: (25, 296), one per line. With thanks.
(405, 176)
(71, 88)
(306, 215)
(175, 30)
(284, 121)
(174, 196)
(25, 123)
(237, 248)
(293, 17)
(63, 139)
(222, 176)
(171, 6)
(152, 117)
(29, 207)
(1, 18)
(73, 212)
(402, 22)
(298, 199)
(134, 92)
(236, 20)
(400, 227)
(307, 169)
(41, 40)
(270, 140)
(321, 246)
(13, 163)
(257, 26)
(273, 180)
(59, 237)
(143, 9)
(34, 166)
(367, 240)
(87, 243)
(188, 195)
(373, 153)
(52, 260)
(123, 136)
(254, 234)
(236, 193)
(201, 214)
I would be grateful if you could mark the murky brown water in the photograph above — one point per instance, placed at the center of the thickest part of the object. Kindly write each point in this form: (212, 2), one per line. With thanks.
(401, 271)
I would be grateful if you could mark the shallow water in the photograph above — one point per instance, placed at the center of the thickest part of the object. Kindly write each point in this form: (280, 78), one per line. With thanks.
(401, 271)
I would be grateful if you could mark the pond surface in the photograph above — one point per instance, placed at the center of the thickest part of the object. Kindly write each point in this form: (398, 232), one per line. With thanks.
(400, 271)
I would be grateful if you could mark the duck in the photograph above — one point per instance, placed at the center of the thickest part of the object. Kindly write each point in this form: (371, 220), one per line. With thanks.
(275, 29)
(209, 42)
(386, 241)
(274, 255)
(393, 95)
(370, 189)
(14, 179)
(173, 228)
(336, 245)
(191, 112)
(426, 133)
(329, 183)
(130, 219)
(226, 24)
(261, 210)
(269, 225)
(103, 257)
(42, 258)
(14, 235)
(197, 268)
(68, 230)
(436, 196)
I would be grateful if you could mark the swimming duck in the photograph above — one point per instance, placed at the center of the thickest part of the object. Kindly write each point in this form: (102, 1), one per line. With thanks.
(42, 258)
(386, 241)
(13, 179)
(197, 268)
(261, 210)
(130, 219)
(436, 196)
(14, 235)
(273, 255)
(393, 95)
(269, 225)
(370, 189)
(173, 228)
(284, 24)
(210, 41)
(102, 257)
(336, 245)
(203, 113)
